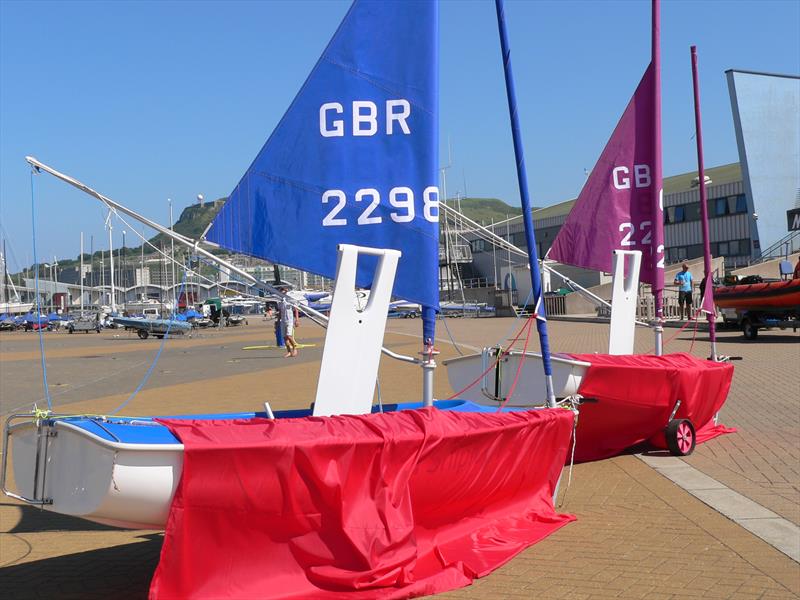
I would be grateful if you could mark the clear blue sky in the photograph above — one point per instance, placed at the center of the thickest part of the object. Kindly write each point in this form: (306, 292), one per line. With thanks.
(146, 101)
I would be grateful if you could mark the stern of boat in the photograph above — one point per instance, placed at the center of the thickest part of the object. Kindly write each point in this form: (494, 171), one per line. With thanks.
(62, 468)
(493, 379)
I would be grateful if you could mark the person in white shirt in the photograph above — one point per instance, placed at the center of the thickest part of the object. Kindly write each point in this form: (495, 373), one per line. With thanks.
(287, 314)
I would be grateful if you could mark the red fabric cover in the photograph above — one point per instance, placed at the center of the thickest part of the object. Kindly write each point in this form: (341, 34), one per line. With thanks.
(636, 395)
(388, 505)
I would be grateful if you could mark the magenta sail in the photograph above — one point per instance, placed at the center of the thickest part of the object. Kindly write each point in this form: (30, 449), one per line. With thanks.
(615, 208)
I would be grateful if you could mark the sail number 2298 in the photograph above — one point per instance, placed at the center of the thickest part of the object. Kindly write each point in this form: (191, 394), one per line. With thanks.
(401, 200)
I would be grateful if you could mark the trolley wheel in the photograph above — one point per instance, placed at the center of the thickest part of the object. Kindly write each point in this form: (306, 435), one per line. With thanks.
(749, 330)
(681, 438)
(142, 334)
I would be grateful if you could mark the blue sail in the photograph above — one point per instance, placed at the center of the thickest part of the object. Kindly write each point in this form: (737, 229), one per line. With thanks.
(354, 159)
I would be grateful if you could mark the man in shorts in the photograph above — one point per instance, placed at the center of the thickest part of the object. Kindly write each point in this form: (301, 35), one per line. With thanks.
(288, 316)
(684, 282)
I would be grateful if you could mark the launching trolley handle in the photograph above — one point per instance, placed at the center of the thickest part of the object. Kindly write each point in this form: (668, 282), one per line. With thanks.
(43, 432)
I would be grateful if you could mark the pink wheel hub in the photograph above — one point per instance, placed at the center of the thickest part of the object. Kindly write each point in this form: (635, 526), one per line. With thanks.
(685, 437)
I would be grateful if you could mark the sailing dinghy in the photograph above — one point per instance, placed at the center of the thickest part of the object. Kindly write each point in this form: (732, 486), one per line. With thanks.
(342, 497)
(615, 226)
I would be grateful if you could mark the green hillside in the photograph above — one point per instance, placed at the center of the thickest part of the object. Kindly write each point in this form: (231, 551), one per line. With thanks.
(485, 210)
(193, 221)
(195, 218)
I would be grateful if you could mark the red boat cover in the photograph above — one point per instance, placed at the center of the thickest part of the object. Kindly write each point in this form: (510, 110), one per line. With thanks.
(390, 505)
(636, 394)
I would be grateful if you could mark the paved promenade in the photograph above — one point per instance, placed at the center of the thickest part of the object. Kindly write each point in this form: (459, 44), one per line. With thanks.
(639, 534)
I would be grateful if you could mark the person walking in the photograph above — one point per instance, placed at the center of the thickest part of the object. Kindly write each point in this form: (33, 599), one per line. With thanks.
(684, 282)
(288, 317)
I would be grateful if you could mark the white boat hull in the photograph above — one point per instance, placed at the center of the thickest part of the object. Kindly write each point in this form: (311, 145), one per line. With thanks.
(530, 390)
(124, 485)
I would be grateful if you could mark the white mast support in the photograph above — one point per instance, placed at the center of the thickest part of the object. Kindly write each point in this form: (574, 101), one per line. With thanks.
(351, 357)
(623, 300)
(195, 246)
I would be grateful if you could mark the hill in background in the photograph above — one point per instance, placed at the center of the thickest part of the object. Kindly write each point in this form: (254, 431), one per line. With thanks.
(485, 210)
(195, 218)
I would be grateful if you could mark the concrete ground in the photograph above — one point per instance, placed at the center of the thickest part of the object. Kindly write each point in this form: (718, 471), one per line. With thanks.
(646, 527)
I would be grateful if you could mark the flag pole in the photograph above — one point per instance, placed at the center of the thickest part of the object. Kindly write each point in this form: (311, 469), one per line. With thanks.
(522, 179)
(709, 286)
(658, 200)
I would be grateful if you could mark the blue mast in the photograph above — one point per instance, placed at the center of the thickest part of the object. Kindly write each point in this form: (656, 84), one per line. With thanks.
(522, 178)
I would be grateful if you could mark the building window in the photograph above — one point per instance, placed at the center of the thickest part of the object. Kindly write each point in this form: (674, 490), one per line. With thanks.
(720, 207)
(694, 251)
(693, 211)
(679, 216)
(478, 245)
(744, 247)
(723, 249)
(740, 204)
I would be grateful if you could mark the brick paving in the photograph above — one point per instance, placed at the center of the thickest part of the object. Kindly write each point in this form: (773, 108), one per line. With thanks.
(761, 461)
(638, 535)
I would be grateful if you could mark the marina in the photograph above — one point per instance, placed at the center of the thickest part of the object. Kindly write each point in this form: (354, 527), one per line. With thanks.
(638, 533)
(327, 384)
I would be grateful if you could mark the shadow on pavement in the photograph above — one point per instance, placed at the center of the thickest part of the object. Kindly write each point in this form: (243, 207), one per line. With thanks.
(120, 572)
(36, 520)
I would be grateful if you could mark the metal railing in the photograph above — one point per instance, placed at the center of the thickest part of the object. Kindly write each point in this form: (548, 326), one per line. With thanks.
(783, 247)
(555, 304)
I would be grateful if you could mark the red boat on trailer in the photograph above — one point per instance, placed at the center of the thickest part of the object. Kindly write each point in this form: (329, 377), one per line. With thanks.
(760, 304)
(763, 295)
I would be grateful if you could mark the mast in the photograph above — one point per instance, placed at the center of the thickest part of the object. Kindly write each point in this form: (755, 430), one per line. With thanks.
(6, 296)
(81, 275)
(530, 240)
(111, 262)
(658, 199)
(508, 259)
(141, 270)
(91, 271)
(709, 287)
(172, 258)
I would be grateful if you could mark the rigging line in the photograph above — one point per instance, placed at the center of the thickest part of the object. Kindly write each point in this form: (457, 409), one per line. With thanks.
(38, 299)
(165, 255)
(155, 360)
(696, 323)
(575, 414)
(513, 387)
(82, 385)
(450, 335)
(233, 277)
(516, 318)
(500, 356)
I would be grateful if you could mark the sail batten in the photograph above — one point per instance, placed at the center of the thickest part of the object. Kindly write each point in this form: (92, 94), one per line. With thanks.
(354, 159)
